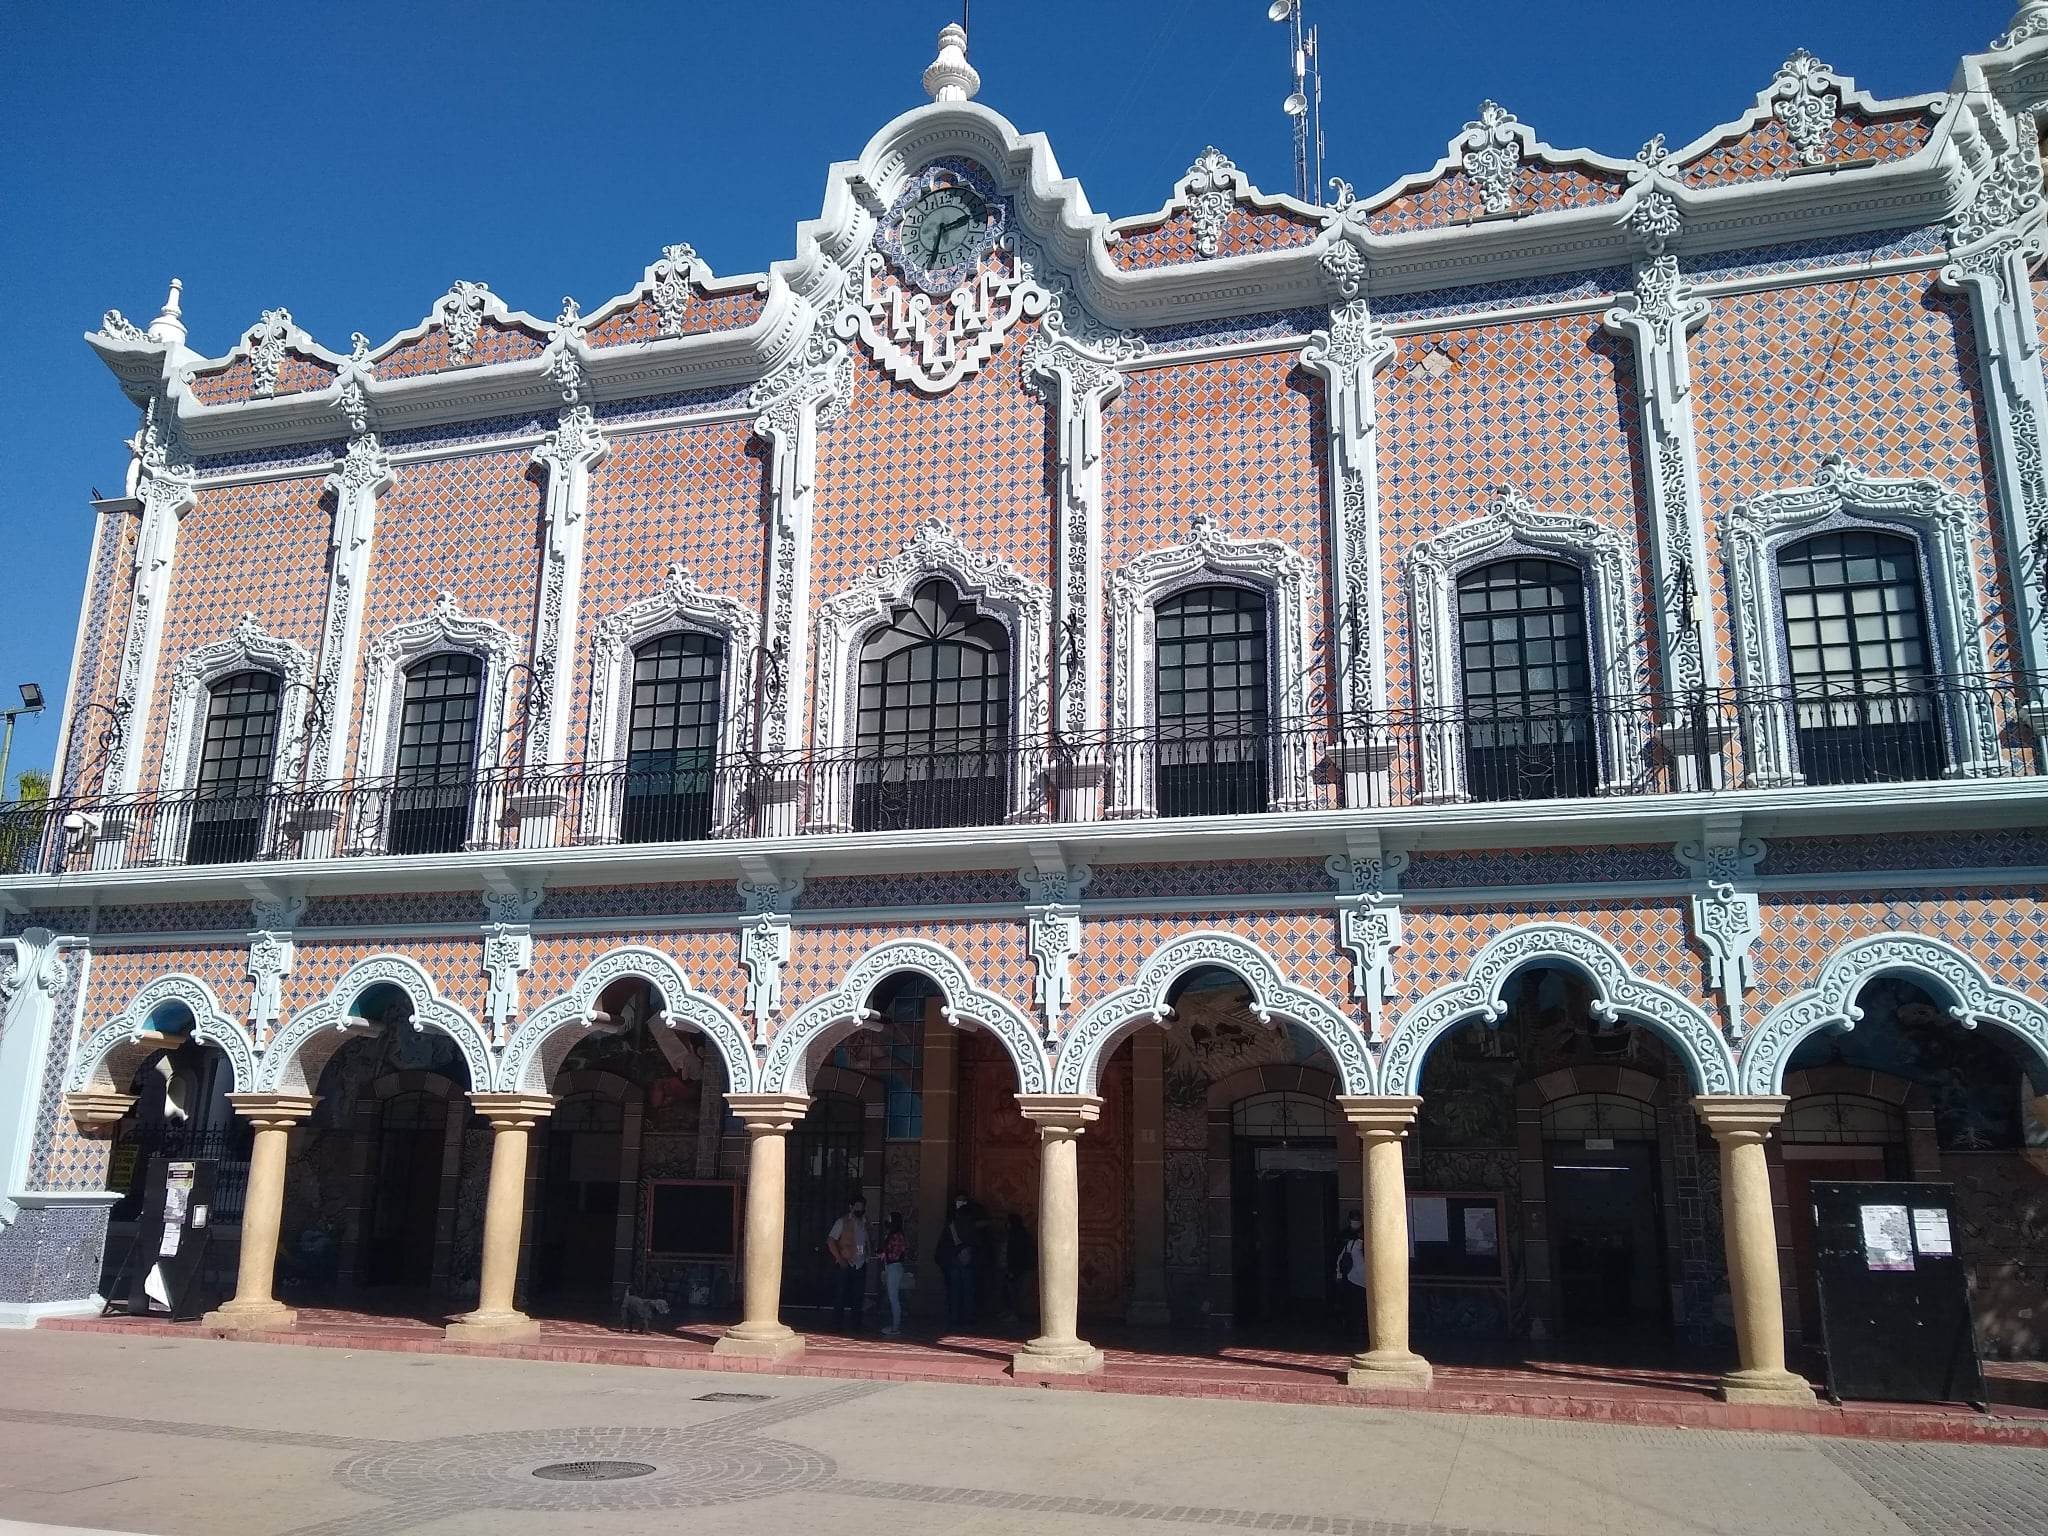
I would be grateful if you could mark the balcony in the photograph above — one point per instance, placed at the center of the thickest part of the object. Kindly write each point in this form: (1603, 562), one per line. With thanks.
(1703, 742)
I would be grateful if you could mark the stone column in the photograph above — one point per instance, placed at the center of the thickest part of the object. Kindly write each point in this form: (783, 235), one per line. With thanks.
(1148, 1308)
(1388, 1363)
(760, 1333)
(254, 1309)
(1739, 1124)
(497, 1318)
(1059, 1348)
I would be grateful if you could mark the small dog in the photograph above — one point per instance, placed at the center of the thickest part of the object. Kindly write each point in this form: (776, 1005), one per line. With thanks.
(637, 1313)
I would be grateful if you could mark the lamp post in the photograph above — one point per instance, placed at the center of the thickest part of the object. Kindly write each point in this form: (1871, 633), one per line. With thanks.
(31, 704)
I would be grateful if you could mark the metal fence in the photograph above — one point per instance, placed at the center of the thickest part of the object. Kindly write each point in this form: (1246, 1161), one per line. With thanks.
(1498, 750)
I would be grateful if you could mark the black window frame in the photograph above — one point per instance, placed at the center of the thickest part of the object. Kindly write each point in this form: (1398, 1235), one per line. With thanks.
(237, 766)
(1212, 699)
(674, 715)
(432, 800)
(1535, 740)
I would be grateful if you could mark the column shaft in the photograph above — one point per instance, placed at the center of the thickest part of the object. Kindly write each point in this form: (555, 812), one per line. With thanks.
(760, 1332)
(254, 1308)
(1388, 1362)
(497, 1318)
(1059, 1348)
(1739, 1125)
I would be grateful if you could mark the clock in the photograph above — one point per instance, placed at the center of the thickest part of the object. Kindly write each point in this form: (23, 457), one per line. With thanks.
(942, 226)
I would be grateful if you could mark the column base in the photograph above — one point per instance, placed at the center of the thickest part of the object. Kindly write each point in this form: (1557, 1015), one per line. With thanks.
(255, 1317)
(760, 1341)
(1377, 1372)
(1056, 1357)
(1783, 1389)
(492, 1328)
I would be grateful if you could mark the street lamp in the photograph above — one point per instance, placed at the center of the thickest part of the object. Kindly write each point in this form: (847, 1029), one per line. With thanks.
(31, 704)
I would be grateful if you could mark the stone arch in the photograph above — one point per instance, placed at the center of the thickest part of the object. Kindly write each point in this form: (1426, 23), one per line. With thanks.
(812, 1031)
(1617, 993)
(1108, 1023)
(544, 1040)
(1946, 971)
(305, 1045)
(108, 1058)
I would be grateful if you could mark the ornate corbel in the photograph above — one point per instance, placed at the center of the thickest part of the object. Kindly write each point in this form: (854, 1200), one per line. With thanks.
(507, 952)
(1054, 916)
(272, 948)
(1727, 919)
(1368, 904)
(765, 944)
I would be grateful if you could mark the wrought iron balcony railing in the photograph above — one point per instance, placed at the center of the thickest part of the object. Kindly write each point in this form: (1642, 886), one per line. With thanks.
(1903, 731)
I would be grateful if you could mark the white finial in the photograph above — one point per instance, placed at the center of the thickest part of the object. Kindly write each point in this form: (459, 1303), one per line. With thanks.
(169, 326)
(950, 77)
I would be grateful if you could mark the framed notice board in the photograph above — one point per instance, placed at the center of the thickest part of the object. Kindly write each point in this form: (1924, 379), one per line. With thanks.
(1456, 1237)
(693, 1219)
(1894, 1296)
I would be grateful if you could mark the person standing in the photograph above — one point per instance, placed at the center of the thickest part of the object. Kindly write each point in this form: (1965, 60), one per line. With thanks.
(848, 1245)
(956, 1260)
(1020, 1263)
(895, 1257)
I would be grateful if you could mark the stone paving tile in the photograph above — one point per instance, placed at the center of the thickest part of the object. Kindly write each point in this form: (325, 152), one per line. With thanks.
(1952, 1490)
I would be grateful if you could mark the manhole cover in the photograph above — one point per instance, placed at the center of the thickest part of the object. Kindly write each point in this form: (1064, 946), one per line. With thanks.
(592, 1471)
(734, 1397)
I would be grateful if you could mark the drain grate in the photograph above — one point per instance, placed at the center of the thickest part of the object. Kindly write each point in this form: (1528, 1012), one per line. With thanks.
(733, 1397)
(592, 1471)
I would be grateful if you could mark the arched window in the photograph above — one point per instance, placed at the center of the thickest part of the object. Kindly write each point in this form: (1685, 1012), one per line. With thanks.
(1857, 648)
(1284, 1116)
(672, 740)
(932, 723)
(437, 742)
(236, 756)
(1594, 1116)
(1528, 689)
(1210, 671)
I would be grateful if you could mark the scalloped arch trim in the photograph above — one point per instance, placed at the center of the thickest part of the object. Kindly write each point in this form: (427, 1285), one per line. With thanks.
(211, 1024)
(303, 1043)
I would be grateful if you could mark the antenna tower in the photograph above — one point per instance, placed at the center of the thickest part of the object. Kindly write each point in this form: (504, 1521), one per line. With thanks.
(1304, 103)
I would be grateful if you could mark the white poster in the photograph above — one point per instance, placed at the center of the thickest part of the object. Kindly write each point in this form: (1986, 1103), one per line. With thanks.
(1429, 1219)
(1482, 1231)
(1930, 1232)
(1887, 1238)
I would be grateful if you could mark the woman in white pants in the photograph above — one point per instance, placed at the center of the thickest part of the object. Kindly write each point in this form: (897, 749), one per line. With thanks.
(895, 1256)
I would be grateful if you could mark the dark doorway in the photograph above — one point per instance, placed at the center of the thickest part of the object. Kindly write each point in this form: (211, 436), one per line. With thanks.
(825, 1164)
(1606, 1237)
(405, 1191)
(1284, 1208)
(580, 1199)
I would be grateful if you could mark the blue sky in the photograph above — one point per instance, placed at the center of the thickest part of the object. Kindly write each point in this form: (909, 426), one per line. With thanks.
(349, 161)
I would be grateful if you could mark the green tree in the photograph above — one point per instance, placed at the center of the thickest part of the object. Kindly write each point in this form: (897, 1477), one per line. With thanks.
(21, 823)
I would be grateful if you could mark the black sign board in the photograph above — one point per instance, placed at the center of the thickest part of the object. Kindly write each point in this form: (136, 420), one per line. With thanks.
(1894, 1296)
(692, 1219)
(171, 1235)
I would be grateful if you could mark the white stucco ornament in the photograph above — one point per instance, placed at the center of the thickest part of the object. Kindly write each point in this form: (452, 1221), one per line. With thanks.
(949, 77)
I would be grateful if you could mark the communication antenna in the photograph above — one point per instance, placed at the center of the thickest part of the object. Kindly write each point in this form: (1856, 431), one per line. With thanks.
(1304, 103)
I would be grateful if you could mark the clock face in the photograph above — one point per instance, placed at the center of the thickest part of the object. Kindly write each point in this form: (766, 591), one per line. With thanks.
(942, 224)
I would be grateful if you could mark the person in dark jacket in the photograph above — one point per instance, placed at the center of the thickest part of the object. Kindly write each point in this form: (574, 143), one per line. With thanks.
(1020, 1264)
(957, 1259)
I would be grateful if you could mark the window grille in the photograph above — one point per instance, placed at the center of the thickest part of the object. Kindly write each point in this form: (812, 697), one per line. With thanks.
(672, 741)
(1862, 669)
(933, 717)
(1528, 688)
(1210, 683)
(437, 745)
(236, 756)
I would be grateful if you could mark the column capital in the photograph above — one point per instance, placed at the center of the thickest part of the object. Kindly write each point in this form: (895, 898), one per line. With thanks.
(273, 1111)
(1060, 1113)
(1380, 1114)
(768, 1114)
(512, 1111)
(1740, 1117)
(96, 1109)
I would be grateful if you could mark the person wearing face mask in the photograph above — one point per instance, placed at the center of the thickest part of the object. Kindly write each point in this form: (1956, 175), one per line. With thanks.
(1351, 1269)
(956, 1260)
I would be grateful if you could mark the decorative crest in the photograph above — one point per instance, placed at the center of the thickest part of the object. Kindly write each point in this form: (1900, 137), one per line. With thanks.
(462, 313)
(268, 338)
(1493, 156)
(2030, 22)
(671, 291)
(1211, 185)
(1806, 103)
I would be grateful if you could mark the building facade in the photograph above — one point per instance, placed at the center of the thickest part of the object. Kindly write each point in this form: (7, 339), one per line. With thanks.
(1447, 704)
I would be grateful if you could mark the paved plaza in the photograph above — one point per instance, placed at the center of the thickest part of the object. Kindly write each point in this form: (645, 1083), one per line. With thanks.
(174, 1436)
